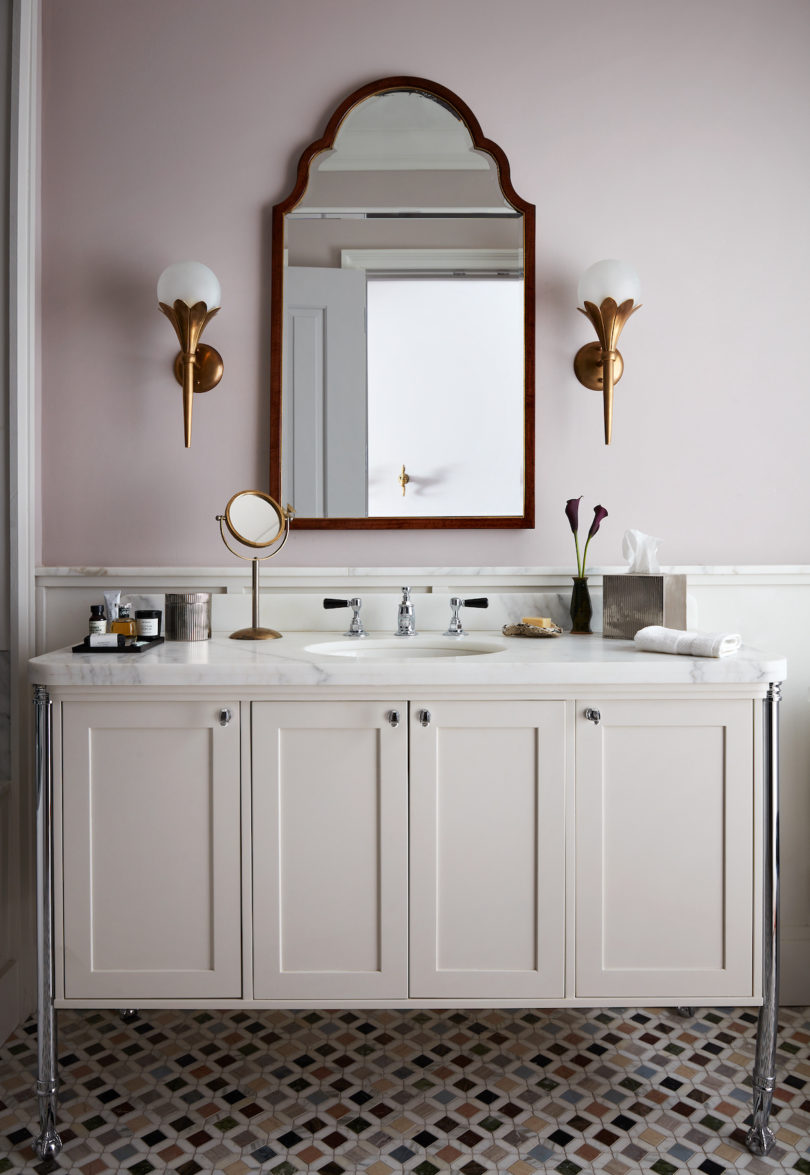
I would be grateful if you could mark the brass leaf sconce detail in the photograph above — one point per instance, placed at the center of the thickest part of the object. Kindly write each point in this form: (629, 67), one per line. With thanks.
(189, 296)
(608, 294)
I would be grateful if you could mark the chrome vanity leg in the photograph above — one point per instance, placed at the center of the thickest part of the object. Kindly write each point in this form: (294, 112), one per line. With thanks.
(48, 1143)
(760, 1139)
(127, 1015)
(685, 1010)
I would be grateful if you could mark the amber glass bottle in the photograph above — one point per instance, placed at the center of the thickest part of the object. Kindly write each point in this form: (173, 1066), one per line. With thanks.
(125, 624)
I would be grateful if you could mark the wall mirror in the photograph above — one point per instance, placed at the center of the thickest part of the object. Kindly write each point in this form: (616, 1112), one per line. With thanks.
(402, 332)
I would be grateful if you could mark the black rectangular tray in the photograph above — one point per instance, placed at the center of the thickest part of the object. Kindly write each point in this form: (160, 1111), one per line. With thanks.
(127, 649)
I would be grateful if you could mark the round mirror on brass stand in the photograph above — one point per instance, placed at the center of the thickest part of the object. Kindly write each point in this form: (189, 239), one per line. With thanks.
(256, 520)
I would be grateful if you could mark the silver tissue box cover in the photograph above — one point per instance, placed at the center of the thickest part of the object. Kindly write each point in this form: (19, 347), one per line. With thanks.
(631, 602)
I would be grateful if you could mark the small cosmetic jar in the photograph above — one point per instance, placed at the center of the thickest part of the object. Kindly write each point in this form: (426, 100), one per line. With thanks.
(148, 623)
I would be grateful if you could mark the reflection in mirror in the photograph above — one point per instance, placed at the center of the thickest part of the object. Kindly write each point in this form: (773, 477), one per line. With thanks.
(403, 275)
(253, 518)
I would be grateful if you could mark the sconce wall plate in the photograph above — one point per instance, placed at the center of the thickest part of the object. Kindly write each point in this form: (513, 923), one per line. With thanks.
(589, 366)
(208, 368)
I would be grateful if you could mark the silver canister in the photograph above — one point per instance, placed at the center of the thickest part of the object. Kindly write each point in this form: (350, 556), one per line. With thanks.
(188, 616)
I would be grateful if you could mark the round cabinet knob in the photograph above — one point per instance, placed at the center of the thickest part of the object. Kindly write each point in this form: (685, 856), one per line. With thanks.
(423, 717)
(393, 717)
(224, 717)
(593, 716)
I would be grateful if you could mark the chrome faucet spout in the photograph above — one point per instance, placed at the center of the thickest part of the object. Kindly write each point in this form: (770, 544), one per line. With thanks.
(406, 621)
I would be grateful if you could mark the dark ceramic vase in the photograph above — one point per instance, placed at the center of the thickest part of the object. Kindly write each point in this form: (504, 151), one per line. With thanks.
(581, 609)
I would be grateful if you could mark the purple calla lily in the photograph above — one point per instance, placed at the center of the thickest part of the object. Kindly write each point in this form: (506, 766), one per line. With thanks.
(599, 512)
(572, 512)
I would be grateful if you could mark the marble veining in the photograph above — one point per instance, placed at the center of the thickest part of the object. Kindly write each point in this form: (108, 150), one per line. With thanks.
(565, 660)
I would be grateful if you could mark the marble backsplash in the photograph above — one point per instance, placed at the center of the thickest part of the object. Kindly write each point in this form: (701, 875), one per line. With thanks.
(296, 611)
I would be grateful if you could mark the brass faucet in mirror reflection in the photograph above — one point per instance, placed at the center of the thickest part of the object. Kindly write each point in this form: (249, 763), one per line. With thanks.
(189, 295)
(608, 294)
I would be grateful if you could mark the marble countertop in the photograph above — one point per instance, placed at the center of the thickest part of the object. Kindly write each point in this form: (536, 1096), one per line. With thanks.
(564, 660)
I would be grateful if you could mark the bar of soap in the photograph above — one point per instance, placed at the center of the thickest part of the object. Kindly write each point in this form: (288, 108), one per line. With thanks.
(539, 621)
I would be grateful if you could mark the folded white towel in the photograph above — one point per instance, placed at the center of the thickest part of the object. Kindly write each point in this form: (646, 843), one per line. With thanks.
(656, 639)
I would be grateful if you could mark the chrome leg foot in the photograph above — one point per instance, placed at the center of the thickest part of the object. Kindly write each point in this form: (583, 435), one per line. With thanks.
(47, 1144)
(127, 1015)
(685, 1011)
(760, 1138)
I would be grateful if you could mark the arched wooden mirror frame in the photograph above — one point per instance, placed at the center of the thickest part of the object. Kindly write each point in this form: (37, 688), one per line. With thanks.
(327, 140)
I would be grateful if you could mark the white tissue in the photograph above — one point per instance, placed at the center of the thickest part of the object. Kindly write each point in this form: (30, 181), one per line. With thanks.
(641, 552)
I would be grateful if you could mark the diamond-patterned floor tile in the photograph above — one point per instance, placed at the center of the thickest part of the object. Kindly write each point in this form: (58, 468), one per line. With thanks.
(419, 1092)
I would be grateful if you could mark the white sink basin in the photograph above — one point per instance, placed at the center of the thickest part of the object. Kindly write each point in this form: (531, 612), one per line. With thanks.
(405, 648)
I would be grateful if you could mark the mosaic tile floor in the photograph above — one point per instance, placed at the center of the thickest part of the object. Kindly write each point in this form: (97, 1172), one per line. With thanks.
(608, 1090)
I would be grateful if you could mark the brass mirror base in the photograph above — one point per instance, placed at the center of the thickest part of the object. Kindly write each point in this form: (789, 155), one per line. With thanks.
(255, 634)
(208, 368)
(588, 366)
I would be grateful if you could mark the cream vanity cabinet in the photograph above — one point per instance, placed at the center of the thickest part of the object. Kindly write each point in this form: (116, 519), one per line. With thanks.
(396, 849)
(574, 824)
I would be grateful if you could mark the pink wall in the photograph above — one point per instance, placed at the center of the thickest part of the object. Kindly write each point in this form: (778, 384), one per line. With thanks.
(673, 135)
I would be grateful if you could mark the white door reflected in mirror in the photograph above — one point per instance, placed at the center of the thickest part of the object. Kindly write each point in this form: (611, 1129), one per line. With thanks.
(445, 396)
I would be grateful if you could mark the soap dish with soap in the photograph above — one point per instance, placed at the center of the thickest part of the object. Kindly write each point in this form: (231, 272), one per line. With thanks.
(536, 626)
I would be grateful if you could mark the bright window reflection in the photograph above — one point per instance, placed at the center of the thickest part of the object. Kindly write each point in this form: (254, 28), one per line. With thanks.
(445, 395)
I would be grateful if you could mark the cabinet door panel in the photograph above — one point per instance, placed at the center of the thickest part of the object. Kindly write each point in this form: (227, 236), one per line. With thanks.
(330, 828)
(151, 850)
(487, 849)
(664, 850)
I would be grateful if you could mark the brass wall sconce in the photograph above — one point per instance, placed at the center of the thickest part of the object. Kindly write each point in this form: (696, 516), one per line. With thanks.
(607, 295)
(189, 295)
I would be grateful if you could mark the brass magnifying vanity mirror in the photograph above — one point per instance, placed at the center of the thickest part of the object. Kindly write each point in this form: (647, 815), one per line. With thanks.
(257, 521)
(402, 333)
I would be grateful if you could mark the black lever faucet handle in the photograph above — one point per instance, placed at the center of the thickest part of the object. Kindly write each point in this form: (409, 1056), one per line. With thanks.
(329, 603)
(477, 602)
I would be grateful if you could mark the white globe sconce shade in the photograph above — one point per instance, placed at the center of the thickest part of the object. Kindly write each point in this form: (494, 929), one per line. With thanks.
(609, 279)
(189, 282)
(189, 295)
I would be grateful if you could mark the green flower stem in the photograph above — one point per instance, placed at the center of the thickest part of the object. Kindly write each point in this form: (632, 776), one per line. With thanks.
(585, 555)
(580, 566)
